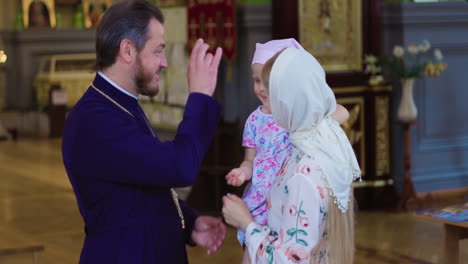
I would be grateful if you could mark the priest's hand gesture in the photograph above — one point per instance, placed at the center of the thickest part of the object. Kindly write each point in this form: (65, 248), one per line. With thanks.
(203, 68)
(209, 232)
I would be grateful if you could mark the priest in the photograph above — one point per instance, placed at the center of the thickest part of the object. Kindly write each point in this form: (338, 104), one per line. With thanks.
(123, 176)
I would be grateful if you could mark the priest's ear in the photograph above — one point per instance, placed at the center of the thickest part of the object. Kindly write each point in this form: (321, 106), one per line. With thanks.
(127, 51)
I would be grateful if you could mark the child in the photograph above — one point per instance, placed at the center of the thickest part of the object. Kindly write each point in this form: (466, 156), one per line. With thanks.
(266, 143)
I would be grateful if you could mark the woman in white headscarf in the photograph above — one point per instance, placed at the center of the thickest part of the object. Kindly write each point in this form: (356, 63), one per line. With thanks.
(310, 205)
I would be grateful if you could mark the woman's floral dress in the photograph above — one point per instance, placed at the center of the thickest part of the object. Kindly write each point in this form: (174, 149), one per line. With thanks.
(297, 207)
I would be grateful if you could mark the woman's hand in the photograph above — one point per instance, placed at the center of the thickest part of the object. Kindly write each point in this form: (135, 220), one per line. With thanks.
(235, 212)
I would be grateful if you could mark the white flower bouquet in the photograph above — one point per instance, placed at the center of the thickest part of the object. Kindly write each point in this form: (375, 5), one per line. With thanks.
(3, 56)
(406, 63)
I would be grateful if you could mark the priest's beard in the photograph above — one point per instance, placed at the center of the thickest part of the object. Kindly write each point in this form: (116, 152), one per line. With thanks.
(143, 80)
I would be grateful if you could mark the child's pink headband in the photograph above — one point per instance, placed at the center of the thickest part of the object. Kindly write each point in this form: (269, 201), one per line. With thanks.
(263, 52)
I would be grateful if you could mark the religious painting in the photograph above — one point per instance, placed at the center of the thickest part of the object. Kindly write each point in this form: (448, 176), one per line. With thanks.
(38, 13)
(93, 11)
(331, 31)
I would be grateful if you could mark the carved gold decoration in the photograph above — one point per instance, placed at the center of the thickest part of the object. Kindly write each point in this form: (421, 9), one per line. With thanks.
(355, 127)
(353, 135)
(331, 31)
(382, 143)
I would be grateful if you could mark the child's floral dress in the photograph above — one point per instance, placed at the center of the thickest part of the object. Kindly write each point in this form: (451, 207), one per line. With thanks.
(271, 142)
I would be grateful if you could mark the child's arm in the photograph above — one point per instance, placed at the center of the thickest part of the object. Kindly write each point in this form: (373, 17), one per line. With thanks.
(237, 176)
(341, 115)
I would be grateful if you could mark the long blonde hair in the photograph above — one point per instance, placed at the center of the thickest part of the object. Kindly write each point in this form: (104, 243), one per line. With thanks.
(340, 228)
(339, 225)
(267, 70)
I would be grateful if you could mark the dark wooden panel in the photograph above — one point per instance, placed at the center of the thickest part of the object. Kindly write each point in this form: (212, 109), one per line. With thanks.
(285, 22)
(224, 154)
(368, 129)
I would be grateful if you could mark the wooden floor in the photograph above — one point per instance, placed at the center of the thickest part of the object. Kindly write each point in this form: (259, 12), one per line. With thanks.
(37, 207)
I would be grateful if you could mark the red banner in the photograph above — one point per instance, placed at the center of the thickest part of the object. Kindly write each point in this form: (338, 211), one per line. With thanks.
(215, 22)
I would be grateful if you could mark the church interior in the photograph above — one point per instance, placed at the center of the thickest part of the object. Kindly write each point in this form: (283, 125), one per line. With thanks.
(407, 124)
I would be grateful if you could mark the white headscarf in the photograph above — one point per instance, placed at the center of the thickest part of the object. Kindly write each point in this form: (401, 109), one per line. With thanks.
(302, 103)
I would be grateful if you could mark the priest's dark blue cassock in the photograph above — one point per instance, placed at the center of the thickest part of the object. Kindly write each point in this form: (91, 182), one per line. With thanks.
(121, 175)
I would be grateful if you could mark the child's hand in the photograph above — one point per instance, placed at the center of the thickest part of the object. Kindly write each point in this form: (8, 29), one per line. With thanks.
(236, 177)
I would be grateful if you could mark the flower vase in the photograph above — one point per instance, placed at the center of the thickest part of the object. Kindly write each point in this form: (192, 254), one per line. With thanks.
(407, 111)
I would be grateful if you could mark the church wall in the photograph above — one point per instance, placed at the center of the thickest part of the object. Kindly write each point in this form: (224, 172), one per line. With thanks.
(254, 25)
(439, 141)
(8, 14)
